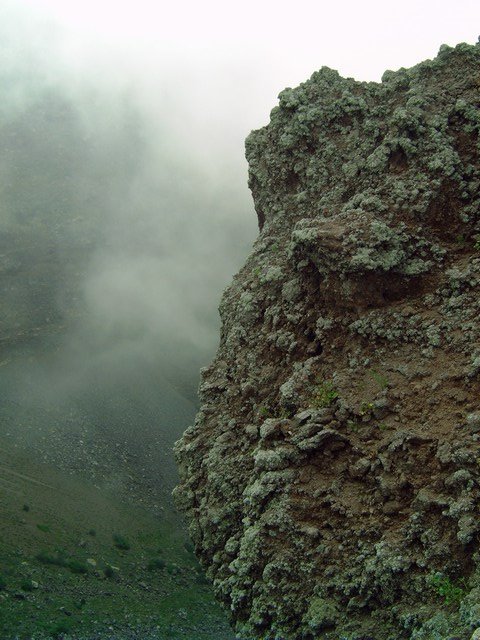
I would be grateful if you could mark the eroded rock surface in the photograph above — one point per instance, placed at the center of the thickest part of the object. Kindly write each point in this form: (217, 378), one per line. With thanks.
(331, 480)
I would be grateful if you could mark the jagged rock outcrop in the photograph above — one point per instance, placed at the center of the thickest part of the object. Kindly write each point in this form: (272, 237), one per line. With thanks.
(332, 477)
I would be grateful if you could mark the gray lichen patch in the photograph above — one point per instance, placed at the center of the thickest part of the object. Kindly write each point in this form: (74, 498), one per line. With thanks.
(332, 478)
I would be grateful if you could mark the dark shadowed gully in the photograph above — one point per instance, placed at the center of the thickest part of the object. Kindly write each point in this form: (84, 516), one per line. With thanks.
(331, 480)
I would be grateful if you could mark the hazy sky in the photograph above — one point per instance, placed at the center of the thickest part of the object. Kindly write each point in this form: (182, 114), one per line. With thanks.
(261, 45)
(218, 66)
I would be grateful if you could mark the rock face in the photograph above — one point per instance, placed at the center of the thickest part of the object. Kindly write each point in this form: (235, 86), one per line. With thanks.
(332, 477)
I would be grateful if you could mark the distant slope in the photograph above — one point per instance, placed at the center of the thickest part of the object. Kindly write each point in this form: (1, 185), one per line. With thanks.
(62, 570)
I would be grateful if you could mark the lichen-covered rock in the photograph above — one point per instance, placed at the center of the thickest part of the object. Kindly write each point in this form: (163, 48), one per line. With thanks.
(332, 477)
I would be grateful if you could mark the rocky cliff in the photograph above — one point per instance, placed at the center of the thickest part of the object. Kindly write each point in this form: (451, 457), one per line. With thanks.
(332, 477)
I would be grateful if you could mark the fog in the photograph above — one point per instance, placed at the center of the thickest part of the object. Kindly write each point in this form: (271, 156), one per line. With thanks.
(124, 213)
(133, 169)
(124, 207)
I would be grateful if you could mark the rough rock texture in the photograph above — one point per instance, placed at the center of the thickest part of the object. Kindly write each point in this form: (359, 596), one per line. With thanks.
(331, 480)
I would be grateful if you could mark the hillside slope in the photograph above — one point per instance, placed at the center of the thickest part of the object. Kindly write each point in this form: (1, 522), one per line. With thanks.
(79, 561)
(331, 479)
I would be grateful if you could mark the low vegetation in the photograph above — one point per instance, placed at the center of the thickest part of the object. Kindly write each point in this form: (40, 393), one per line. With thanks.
(75, 572)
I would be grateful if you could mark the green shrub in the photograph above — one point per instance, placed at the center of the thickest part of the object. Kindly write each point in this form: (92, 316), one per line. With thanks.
(77, 566)
(173, 569)
(58, 629)
(120, 542)
(43, 527)
(156, 564)
(26, 585)
(109, 571)
(188, 546)
(201, 578)
(3, 583)
(58, 559)
(444, 587)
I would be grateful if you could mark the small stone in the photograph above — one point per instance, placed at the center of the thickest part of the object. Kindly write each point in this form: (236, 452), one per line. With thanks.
(252, 431)
(322, 614)
(270, 428)
(473, 421)
(391, 507)
(381, 408)
(304, 416)
(360, 468)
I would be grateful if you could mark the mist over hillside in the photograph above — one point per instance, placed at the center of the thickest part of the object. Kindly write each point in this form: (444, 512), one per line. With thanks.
(118, 232)
(115, 242)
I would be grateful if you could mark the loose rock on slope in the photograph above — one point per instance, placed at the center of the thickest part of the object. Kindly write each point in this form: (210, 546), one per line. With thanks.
(331, 479)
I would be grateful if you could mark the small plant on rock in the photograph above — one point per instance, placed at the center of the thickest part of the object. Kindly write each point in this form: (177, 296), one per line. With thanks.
(380, 379)
(451, 592)
(264, 412)
(366, 408)
(354, 426)
(325, 395)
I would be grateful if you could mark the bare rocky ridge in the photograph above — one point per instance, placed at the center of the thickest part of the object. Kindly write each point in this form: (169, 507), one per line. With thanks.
(332, 477)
